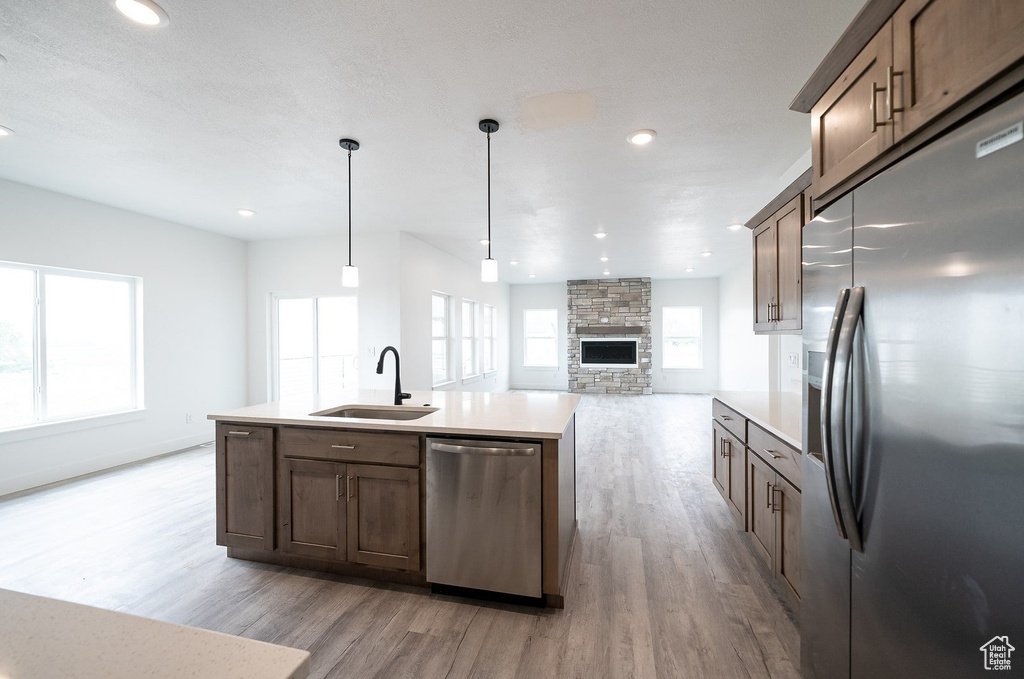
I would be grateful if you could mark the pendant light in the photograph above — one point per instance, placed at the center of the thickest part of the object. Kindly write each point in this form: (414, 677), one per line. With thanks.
(349, 273)
(489, 266)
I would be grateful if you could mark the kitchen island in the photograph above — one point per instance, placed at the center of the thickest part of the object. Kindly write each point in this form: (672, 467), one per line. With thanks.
(341, 485)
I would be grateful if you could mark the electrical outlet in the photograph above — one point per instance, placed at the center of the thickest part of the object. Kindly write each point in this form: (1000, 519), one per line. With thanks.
(794, 360)
(188, 419)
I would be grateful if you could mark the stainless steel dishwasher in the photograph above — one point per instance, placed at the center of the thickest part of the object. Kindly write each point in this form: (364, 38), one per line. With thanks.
(483, 515)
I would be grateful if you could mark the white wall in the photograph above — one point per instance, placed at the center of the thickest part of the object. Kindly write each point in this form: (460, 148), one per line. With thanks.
(702, 292)
(540, 296)
(193, 328)
(743, 357)
(423, 270)
(312, 266)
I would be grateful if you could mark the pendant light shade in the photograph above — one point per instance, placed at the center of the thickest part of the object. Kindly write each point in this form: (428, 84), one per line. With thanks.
(489, 266)
(349, 273)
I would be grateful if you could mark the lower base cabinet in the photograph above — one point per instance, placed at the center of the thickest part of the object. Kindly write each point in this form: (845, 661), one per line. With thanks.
(773, 512)
(367, 514)
(729, 471)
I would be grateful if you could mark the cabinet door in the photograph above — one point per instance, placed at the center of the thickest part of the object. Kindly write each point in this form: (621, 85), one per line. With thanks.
(719, 462)
(313, 509)
(760, 512)
(766, 261)
(945, 49)
(846, 129)
(245, 486)
(789, 222)
(787, 536)
(736, 454)
(384, 516)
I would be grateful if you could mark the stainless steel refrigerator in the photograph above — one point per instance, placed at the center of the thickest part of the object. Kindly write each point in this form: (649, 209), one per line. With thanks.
(913, 498)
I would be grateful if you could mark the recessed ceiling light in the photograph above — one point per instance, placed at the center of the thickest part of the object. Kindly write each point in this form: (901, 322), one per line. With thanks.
(641, 137)
(246, 212)
(484, 241)
(600, 234)
(735, 227)
(706, 253)
(688, 269)
(604, 259)
(144, 12)
(5, 131)
(607, 273)
(513, 262)
(533, 275)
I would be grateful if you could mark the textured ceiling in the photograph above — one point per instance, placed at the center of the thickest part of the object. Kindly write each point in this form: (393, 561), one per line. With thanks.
(240, 104)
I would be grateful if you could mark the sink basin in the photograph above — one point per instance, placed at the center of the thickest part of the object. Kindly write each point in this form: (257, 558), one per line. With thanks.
(376, 412)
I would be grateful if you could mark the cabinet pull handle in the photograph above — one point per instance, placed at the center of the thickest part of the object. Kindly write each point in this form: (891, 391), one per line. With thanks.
(726, 451)
(775, 505)
(875, 89)
(337, 487)
(348, 488)
(726, 418)
(768, 496)
(774, 455)
(890, 92)
(344, 447)
(238, 433)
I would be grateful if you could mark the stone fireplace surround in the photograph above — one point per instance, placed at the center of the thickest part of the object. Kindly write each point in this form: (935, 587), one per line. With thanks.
(613, 307)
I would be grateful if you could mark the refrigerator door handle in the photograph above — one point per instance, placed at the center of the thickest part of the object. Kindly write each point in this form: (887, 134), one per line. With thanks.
(840, 406)
(827, 389)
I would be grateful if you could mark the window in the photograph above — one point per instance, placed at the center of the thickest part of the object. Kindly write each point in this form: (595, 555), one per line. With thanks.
(490, 338)
(681, 334)
(439, 349)
(70, 344)
(540, 338)
(470, 352)
(317, 346)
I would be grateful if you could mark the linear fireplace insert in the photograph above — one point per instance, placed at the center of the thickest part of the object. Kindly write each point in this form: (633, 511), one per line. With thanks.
(608, 352)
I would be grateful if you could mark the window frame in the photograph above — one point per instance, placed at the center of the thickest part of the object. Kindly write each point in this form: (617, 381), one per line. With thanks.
(474, 344)
(555, 337)
(274, 367)
(700, 338)
(489, 337)
(39, 355)
(446, 338)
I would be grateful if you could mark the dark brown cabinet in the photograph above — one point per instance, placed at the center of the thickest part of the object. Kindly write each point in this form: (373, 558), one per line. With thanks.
(314, 507)
(774, 520)
(778, 289)
(944, 50)
(359, 513)
(729, 467)
(245, 486)
(384, 516)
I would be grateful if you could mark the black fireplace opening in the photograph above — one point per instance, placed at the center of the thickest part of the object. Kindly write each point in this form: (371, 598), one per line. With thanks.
(608, 352)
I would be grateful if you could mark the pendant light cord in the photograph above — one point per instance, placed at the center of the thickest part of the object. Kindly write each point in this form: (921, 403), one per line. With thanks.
(488, 195)
(350, 207)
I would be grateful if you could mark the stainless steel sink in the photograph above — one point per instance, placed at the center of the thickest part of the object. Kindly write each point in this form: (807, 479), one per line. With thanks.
(376, 412)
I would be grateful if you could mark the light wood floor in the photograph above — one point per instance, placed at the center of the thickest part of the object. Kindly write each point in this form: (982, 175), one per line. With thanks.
(662, 584)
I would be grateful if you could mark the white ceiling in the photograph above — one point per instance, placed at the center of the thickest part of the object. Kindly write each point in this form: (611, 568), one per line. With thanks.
(240, 104)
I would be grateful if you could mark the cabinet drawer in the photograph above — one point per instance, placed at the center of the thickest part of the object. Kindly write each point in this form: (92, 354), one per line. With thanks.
(351, 446)
(730, 419)
(779, 455)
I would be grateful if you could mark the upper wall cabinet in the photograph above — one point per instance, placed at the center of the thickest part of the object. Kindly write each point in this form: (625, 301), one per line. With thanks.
(901, 74)
(943, 50)
(778, 292)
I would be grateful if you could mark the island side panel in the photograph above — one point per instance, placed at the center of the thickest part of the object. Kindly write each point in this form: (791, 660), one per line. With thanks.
(559, 511)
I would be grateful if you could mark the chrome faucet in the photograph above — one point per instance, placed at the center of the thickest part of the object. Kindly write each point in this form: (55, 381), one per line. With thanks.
(399, 394)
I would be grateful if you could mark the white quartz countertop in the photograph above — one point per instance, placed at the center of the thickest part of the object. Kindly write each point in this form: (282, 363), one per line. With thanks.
(779, 413)
(497, 414)
(41, 637)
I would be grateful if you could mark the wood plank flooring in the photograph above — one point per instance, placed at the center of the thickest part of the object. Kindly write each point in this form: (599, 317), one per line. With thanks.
(662, 584)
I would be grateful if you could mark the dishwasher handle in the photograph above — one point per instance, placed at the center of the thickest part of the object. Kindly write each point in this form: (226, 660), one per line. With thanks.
(482, 450)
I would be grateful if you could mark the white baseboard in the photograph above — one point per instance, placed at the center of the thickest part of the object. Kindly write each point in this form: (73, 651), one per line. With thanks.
(71, 470)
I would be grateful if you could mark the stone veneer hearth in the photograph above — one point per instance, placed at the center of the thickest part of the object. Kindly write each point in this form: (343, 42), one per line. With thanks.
(612, 307)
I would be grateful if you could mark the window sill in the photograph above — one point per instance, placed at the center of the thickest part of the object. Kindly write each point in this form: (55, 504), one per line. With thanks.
(542, 367)
(682, 370)
(490, 373)
(470, 379)
(442, 386)
(54, 428)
